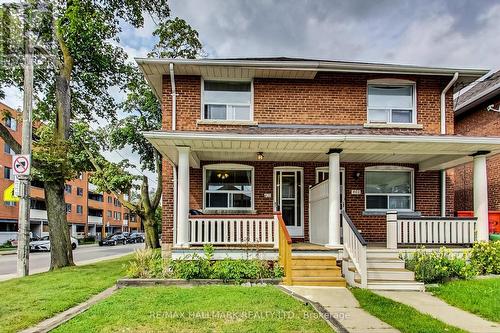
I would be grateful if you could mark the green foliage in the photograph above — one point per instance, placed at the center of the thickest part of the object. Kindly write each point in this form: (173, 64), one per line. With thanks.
(146, 264)
(485, 256)
(6, 245)
(176, 40)
(439, 266)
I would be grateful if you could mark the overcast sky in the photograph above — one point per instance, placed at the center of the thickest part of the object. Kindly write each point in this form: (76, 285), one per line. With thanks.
(455, 33)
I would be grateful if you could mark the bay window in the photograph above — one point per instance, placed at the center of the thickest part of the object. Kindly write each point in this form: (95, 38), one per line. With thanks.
(391, 103)
(227, 100)
(228, 187)
(389, 188)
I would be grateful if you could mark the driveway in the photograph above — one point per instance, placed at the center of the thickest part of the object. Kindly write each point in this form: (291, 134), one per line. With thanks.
(84, 254)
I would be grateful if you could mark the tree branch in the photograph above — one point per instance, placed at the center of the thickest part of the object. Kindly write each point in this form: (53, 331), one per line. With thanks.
(159, 188)
(9, 139)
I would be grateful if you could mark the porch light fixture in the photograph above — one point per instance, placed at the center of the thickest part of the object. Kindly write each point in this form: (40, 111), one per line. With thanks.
(357, 174)
(222, 175)
(260, 156)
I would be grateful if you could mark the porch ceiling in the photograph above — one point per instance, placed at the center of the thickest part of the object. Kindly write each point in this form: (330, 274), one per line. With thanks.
(429, 152)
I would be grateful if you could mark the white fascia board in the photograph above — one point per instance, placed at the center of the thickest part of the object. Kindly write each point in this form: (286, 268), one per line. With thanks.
(323, 138)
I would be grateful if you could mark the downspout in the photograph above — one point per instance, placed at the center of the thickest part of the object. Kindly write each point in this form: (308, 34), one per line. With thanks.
(174, 95)
(443, 132)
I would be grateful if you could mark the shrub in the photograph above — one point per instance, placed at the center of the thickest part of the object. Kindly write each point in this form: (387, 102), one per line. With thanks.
(485, 256)
(7, 244)
(440, 266)
(147, 264)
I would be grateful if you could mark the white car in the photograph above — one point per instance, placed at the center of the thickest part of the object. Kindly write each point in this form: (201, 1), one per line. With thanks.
(44, 244)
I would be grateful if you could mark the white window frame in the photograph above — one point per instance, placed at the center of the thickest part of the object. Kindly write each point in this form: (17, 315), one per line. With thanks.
(392, 83)
(391, 168)
(228, 166)
(11, 121)
(202, 111)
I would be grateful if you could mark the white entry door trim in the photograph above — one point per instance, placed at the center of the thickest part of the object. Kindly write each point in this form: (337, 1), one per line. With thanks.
(297, 229)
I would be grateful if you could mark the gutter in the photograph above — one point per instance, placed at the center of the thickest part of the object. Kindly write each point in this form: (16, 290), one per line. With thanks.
(443, 102)
(174, 95)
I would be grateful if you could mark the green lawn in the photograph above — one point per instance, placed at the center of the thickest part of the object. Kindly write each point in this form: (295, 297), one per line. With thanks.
(481, 296)
(29, 300)
(198, 309)
(400, 316)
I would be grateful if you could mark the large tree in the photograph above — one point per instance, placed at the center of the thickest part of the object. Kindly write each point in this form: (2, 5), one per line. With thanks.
(78, 60)
(176, 39)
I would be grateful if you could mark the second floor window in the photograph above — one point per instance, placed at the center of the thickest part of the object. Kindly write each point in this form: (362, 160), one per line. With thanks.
(11, 123)
(68, 208)
(7, 173)
(391, 104)
(79, 191)
(7, 149)
(79, 209)
(227, 100)
(67, 188)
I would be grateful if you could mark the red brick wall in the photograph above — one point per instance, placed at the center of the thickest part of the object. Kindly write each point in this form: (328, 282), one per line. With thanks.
(478, 122)
(332, 99)
(373, 228)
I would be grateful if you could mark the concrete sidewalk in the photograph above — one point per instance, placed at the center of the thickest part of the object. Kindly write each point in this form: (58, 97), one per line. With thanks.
(345, 308)
(426, 303)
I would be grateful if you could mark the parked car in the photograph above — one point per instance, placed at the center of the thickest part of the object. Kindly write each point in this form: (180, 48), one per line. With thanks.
(113, 240)
(43, 244)
(136, 237)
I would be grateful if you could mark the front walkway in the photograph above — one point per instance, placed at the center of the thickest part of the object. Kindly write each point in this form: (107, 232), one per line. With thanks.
(345, 308)
(435, 307)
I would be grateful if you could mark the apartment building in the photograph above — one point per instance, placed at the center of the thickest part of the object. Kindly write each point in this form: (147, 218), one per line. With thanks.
(89, 212)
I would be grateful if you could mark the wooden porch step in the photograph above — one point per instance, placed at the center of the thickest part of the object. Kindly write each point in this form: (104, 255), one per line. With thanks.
(314, 261)
(316, 271)
(318, 281)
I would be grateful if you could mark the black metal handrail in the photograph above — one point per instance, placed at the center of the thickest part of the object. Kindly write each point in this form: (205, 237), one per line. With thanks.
(354, 229)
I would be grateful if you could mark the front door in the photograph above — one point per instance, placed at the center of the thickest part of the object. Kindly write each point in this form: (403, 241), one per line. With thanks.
(289, 198)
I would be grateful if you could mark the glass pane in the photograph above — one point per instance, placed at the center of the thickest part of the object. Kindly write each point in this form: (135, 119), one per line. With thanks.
(288, 186)
(378, 115)
(399, 202)
(242, 200)
(388, 182)
(215, 111)
(288, 212)
(216, 200)
(229, 180)
(227, 86)
(241, 112)
(401, 116)
(376, 202)
(390, 97)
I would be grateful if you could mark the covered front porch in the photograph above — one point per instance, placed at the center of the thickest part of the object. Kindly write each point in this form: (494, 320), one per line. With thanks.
(328, 188)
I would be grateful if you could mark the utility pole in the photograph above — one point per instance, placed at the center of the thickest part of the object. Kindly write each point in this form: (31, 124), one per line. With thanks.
(23, 247)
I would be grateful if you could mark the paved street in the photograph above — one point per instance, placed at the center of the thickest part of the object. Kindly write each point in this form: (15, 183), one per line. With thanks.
(85, 254)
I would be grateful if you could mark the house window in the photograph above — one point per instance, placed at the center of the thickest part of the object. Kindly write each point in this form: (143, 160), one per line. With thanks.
(7, 173)
(11, 123)
(228, 187)
(110, 200)
(389, 188)
(391, 103)
(68, 208)
(10, 203)
(79, 191)
(67, 188)
(7, 149)
(230, 100)
(79, 209)
(321, 174)
(109, 213)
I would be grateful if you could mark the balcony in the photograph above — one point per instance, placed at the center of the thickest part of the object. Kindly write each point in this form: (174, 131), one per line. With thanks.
(38, 214)
(94, 219)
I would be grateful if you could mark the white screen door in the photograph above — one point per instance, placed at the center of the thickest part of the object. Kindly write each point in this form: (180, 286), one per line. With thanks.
(288, 198)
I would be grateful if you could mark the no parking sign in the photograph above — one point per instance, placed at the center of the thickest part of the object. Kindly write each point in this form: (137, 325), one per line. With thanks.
(21, 165)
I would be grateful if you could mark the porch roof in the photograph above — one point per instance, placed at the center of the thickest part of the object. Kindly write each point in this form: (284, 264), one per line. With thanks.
(305, 145)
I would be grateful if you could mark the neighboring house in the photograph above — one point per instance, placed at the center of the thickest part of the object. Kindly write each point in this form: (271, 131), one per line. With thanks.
(88, 210)
(475, 116)
(333, 146)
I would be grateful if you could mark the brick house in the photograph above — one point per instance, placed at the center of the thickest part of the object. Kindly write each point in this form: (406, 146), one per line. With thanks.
(348, 153)
(475, 115)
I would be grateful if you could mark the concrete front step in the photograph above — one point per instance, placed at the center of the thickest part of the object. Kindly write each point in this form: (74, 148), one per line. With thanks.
(318, 281)
(387, 274)
(384, 263)
(381, 253)
(393, 285)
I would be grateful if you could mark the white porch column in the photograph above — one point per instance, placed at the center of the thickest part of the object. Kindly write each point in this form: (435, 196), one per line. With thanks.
(183, 197)
(334, 197)
(480, 192)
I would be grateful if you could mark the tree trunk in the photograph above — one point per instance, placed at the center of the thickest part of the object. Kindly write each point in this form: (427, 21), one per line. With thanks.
(151, 233)
(61, 253)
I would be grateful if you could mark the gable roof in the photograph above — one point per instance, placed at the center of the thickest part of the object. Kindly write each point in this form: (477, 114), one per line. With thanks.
(481, 92)
(284, 67)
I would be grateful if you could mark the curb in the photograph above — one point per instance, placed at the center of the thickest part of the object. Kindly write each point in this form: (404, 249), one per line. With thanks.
(9, 252)
(51, 323)
(191, 283)
(320, 309)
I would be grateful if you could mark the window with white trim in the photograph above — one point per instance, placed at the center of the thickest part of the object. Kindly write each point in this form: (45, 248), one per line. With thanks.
(11, 123)
(228, 187)
(389, 188)
(227, 100)
(391, 103)
(321, 174)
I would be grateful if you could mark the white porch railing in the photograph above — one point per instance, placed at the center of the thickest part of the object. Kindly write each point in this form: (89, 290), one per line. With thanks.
(235, 230)
(318, 213)
(355, 248)
(429, 230)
